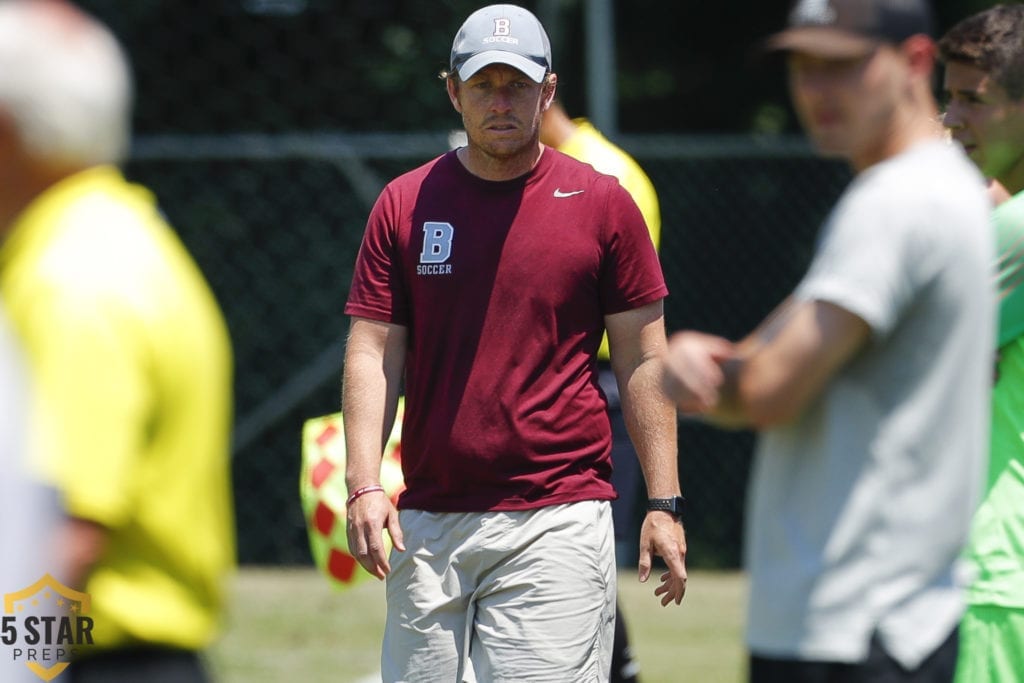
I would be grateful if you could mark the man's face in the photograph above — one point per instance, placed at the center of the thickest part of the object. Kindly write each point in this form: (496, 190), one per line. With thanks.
(846, 105)
(501, 110)
(984, 119)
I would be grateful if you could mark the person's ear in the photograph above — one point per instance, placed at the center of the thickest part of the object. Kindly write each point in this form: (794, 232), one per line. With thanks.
(921, 52)
(549, 87)
(452, 84)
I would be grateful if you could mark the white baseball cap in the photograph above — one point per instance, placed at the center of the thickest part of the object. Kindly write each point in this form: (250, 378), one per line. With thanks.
(501, 34)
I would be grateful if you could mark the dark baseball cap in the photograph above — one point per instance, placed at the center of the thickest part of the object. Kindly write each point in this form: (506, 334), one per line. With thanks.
(851, 28)
(501, 34)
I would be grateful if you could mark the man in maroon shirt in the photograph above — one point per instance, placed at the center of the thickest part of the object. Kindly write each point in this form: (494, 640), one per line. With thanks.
(485, 281)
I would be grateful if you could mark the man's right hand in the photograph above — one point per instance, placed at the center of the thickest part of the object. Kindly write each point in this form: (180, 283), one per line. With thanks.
(368, 516)
(693, 373)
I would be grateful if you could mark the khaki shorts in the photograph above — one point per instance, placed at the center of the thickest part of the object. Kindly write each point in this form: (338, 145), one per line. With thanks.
(502, 596)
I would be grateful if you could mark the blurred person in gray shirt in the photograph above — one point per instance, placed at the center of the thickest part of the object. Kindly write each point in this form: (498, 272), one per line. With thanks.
(870, 384)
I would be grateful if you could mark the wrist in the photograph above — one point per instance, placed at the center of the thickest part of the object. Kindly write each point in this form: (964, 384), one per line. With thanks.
(362, 491)
(673, 505)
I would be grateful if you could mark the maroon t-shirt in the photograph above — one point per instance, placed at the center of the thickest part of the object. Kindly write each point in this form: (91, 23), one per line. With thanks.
(503, 287)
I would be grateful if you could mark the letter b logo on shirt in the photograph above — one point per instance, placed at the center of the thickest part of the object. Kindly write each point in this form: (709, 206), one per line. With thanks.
(437, 242)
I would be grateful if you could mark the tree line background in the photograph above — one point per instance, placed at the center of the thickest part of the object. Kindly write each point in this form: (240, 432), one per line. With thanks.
(371, 65)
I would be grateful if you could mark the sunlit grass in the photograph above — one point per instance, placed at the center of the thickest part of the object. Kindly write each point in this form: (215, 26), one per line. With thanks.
(288, 625)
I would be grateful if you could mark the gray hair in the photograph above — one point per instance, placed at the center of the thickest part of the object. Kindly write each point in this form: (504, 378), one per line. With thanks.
(64, 82)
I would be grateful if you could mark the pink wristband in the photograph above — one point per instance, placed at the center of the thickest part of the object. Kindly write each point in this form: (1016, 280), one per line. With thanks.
(363, 491)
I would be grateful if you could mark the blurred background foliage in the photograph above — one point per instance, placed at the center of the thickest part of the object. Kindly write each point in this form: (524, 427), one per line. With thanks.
(358, 65)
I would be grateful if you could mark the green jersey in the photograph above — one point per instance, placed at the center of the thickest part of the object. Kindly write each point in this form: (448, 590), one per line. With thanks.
(1009, 224)
(996, 546)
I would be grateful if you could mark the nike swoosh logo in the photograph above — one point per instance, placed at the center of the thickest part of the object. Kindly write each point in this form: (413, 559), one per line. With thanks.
(559, 193)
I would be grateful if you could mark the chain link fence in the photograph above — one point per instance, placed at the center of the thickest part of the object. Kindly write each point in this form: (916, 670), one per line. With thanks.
(740, 217)
(240, 118)
(275, 222)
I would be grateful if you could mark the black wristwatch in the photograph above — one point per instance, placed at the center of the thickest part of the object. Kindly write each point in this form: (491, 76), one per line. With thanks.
(673, 505)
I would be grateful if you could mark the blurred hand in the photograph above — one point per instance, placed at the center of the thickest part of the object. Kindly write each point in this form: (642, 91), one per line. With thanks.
(368, 516)
(662, 535)
(693, 372)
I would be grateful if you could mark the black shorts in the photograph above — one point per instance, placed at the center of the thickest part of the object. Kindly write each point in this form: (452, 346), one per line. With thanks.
(146, 664)
(879, 667)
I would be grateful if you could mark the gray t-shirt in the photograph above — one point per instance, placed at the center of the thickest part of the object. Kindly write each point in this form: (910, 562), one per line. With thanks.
(859, 509)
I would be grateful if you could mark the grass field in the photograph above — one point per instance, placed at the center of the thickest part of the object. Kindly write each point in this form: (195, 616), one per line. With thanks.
(288, 625)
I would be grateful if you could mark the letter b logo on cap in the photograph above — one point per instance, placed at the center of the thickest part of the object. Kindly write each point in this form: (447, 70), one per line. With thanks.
(502, 27)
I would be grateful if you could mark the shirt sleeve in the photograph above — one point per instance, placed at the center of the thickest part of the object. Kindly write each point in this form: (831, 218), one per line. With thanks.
(377, 291)
(864, 262)
(1008, 220)
(632, 275)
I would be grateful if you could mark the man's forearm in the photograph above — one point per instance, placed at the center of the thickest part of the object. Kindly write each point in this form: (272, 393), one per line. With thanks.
(651, 421)
(365, 413)
(370, 387)
(728, 412)
(731, 412)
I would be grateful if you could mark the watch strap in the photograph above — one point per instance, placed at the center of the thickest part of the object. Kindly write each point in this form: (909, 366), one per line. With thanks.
(672, 505)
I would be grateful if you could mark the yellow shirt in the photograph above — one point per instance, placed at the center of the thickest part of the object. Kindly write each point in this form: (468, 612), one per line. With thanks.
(133, 365)
(588, 145)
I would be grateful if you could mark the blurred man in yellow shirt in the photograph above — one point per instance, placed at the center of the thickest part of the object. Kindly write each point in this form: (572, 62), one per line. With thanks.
(127, 348)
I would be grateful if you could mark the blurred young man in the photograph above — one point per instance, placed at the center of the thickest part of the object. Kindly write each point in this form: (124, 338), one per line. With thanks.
(984, 82)
(578, 138)
(485, 281)
(870, 382)
(127, 350)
